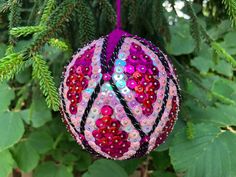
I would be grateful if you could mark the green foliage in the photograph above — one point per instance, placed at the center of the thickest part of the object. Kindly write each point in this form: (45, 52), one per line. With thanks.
(195, 28)
(59, 44)
(86, 22)
(231, 9)
(41, 72)
(47, 11)
(108, 11)
(37, 39)
(11, 129)
(6, 163)
(196, 157)
(10, 65)
(24, 31)
(99, 169)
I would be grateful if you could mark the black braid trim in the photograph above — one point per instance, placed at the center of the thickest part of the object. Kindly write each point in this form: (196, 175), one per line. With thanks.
(126, 108)
(162, 108)
(68, 122)
(89, 105)
(104, 66)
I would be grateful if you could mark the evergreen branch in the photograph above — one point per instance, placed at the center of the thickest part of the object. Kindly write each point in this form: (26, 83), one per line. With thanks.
(25, 31)
(230, 6)
(133, 11)
(59, 44)
(14, 17)
(10, 65)
(86, 22)
(109, 11)
(4, 6)
(43, 75)
(222, 52)
(194, 25)
(60, 15)
(49, 7)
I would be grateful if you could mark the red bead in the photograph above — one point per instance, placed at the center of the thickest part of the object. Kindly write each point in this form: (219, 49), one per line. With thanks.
(140, 97)
(73, 108)
(150, 89)
(106, 110)
(115, 123)
(152, 97)
(147, 110)
(139, 89)
(149, 78)
(137, 76)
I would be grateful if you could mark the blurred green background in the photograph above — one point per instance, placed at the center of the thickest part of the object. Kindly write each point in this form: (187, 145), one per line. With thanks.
(38, 37)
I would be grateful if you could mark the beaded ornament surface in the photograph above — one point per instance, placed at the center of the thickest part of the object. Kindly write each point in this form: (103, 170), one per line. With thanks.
(122, 106)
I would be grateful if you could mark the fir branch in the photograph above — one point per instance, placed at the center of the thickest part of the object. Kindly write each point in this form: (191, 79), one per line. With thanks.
(222, 52)
(25, 31)
(194, 25)
(230, 6)
(133, 11)
(14, 17)
(4, 6)
(86, 22)
(49, 7)
(43, 75)
(59, 44)
(10, 65)
(108, 11)
(60, 15)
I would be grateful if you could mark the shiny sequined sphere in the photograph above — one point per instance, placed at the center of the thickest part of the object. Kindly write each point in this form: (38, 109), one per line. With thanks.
(120, 104)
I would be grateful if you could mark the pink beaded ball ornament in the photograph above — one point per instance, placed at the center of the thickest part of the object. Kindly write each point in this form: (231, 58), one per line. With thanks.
(119, 96)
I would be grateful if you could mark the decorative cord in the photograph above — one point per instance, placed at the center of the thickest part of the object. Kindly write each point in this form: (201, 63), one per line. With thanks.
(118, 14)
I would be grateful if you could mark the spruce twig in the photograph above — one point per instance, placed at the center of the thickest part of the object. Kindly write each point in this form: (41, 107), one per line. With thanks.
(25, 31)
(49, 7)
(86, 22)
(10, 65)
(230, 6)
(43, 75)
(194, 26)
(109, 11)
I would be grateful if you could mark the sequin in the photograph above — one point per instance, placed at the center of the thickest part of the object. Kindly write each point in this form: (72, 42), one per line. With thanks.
(118, 77)
(121, 84)
(89, 90)
(125, 90)
(131, 84)
(119, 62)
(129, 69)
(106, 110)
(119, 69)
(121, 56)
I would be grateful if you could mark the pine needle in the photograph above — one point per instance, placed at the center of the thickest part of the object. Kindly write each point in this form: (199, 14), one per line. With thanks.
(25, 31)
(43, 75)
(10, 65)
(222, 52)
(230, 6)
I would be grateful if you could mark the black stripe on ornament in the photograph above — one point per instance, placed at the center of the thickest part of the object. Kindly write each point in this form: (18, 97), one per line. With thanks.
(127, 110)
(68, 122)
(103, 56)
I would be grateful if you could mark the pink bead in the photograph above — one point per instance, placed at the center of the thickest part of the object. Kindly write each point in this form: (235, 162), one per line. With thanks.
(142, 68)
(140, 97)
(131, 83)
(129, 69)
(106, 77)
(107, 110)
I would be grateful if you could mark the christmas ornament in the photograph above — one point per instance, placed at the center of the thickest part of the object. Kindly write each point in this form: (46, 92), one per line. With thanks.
(119, 96)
